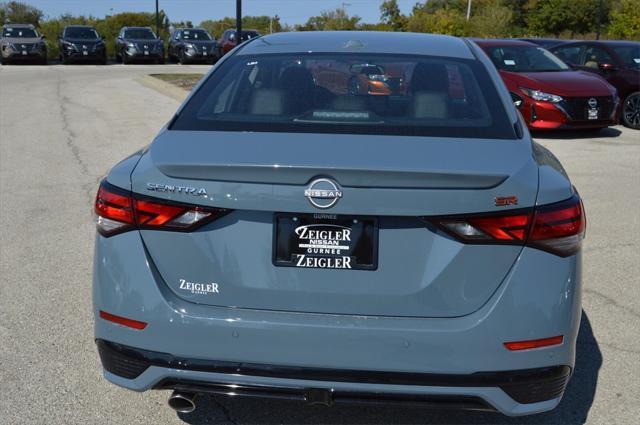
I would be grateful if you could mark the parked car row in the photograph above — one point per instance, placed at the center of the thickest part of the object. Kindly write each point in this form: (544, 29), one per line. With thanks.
(81, 43)
(577, 84)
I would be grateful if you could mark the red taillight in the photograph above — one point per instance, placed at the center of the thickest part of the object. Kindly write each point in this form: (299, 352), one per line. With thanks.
(114, 212)
(118, 210)
(557, 228)
(130, 323)
(533, 343)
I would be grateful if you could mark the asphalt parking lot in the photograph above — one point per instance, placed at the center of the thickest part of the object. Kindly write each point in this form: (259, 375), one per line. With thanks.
(62, 127)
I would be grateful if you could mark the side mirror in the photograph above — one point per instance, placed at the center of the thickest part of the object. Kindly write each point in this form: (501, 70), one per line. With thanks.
(607, 67)
(102, 38)
(43, 37)
(517, 100)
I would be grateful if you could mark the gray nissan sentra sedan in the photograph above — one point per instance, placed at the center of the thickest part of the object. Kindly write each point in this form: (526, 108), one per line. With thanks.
(286, 236)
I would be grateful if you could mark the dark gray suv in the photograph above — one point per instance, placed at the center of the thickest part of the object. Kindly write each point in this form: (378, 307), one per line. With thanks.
(21, 42)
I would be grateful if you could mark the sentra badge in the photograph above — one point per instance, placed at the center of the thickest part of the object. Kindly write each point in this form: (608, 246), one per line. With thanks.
(187, 190)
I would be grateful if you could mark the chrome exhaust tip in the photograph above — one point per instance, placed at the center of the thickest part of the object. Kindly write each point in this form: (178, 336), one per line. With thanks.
(182, 402)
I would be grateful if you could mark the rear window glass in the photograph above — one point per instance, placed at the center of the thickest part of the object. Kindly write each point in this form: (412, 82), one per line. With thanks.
(349, 93)
(82, 33)
(19, 32)
(139, 33)
(630, 55)
(525, 59)
(195, 35)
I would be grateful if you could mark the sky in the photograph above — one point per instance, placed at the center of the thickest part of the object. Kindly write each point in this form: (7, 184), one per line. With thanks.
(290, 11)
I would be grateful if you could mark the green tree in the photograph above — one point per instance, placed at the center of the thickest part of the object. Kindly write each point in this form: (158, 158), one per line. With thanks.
(491, 19)
(330, 20)
(19, 13)
(625, 20)
(548, 16)
(443, 21)
(391, 16)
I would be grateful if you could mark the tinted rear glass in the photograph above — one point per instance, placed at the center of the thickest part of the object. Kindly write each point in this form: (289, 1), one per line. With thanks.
(19, 33)
(630, 55)
(139, 33)
(195, 35)
(349, 93)
(81, 33)
(525, 59)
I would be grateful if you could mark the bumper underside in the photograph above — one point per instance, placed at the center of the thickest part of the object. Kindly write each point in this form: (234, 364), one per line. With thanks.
(531, 390)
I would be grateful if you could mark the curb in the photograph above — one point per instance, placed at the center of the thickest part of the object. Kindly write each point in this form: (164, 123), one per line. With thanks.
(163, 87)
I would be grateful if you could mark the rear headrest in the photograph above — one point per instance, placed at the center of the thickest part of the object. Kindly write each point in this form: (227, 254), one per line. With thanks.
(431, 105)
(297, 78)
(267, 102)
(429, 77)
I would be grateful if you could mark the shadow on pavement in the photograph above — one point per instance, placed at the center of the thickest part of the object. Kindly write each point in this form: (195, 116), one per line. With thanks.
(573, 409)
(605, 133)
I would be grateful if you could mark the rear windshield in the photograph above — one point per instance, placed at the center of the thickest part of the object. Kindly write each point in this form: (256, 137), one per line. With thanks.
(19, 33)
(195, 35)
(630, 55)
(350, 94)
(139, 33)
(525, 59)
(81, 33)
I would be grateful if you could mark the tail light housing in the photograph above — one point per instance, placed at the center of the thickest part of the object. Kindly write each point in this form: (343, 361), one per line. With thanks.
(119, 210)
(557, 228)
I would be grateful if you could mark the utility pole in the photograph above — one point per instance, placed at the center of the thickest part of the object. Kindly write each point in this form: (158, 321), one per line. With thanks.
(239, 21)
(157, 20)
(599, 20)
(344, 13)
(468, 9)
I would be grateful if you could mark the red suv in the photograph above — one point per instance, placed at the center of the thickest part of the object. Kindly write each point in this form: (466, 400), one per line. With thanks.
(549, 94)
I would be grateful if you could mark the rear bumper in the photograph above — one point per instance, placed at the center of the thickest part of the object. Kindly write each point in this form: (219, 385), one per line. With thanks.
(540, 297)
(318, 385)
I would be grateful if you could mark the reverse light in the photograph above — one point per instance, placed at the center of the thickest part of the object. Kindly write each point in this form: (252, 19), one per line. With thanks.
(533, 343)
(118, 211)
(557, 228)
(541, 96)
(130, 323)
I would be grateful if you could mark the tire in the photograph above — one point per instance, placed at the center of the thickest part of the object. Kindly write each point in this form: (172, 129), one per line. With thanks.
(65, 60)
(183, 59)
(124, 58)
(631, 111)
(103, 61)
(4, 61)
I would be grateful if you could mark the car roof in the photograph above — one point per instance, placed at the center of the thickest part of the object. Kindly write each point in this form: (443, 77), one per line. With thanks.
(137, 28)
(78, 26)
(605, 42)
(30, 26)
(492, 42)
(359, 42)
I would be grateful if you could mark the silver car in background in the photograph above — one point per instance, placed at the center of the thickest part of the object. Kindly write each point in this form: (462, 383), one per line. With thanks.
(286, 236)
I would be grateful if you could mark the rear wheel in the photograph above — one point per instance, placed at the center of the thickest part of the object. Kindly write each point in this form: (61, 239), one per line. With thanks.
(3, 60)
(631, 111)
(183, 58)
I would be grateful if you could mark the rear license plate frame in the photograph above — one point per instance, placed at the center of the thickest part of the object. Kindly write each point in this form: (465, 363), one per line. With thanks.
(361, 248)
